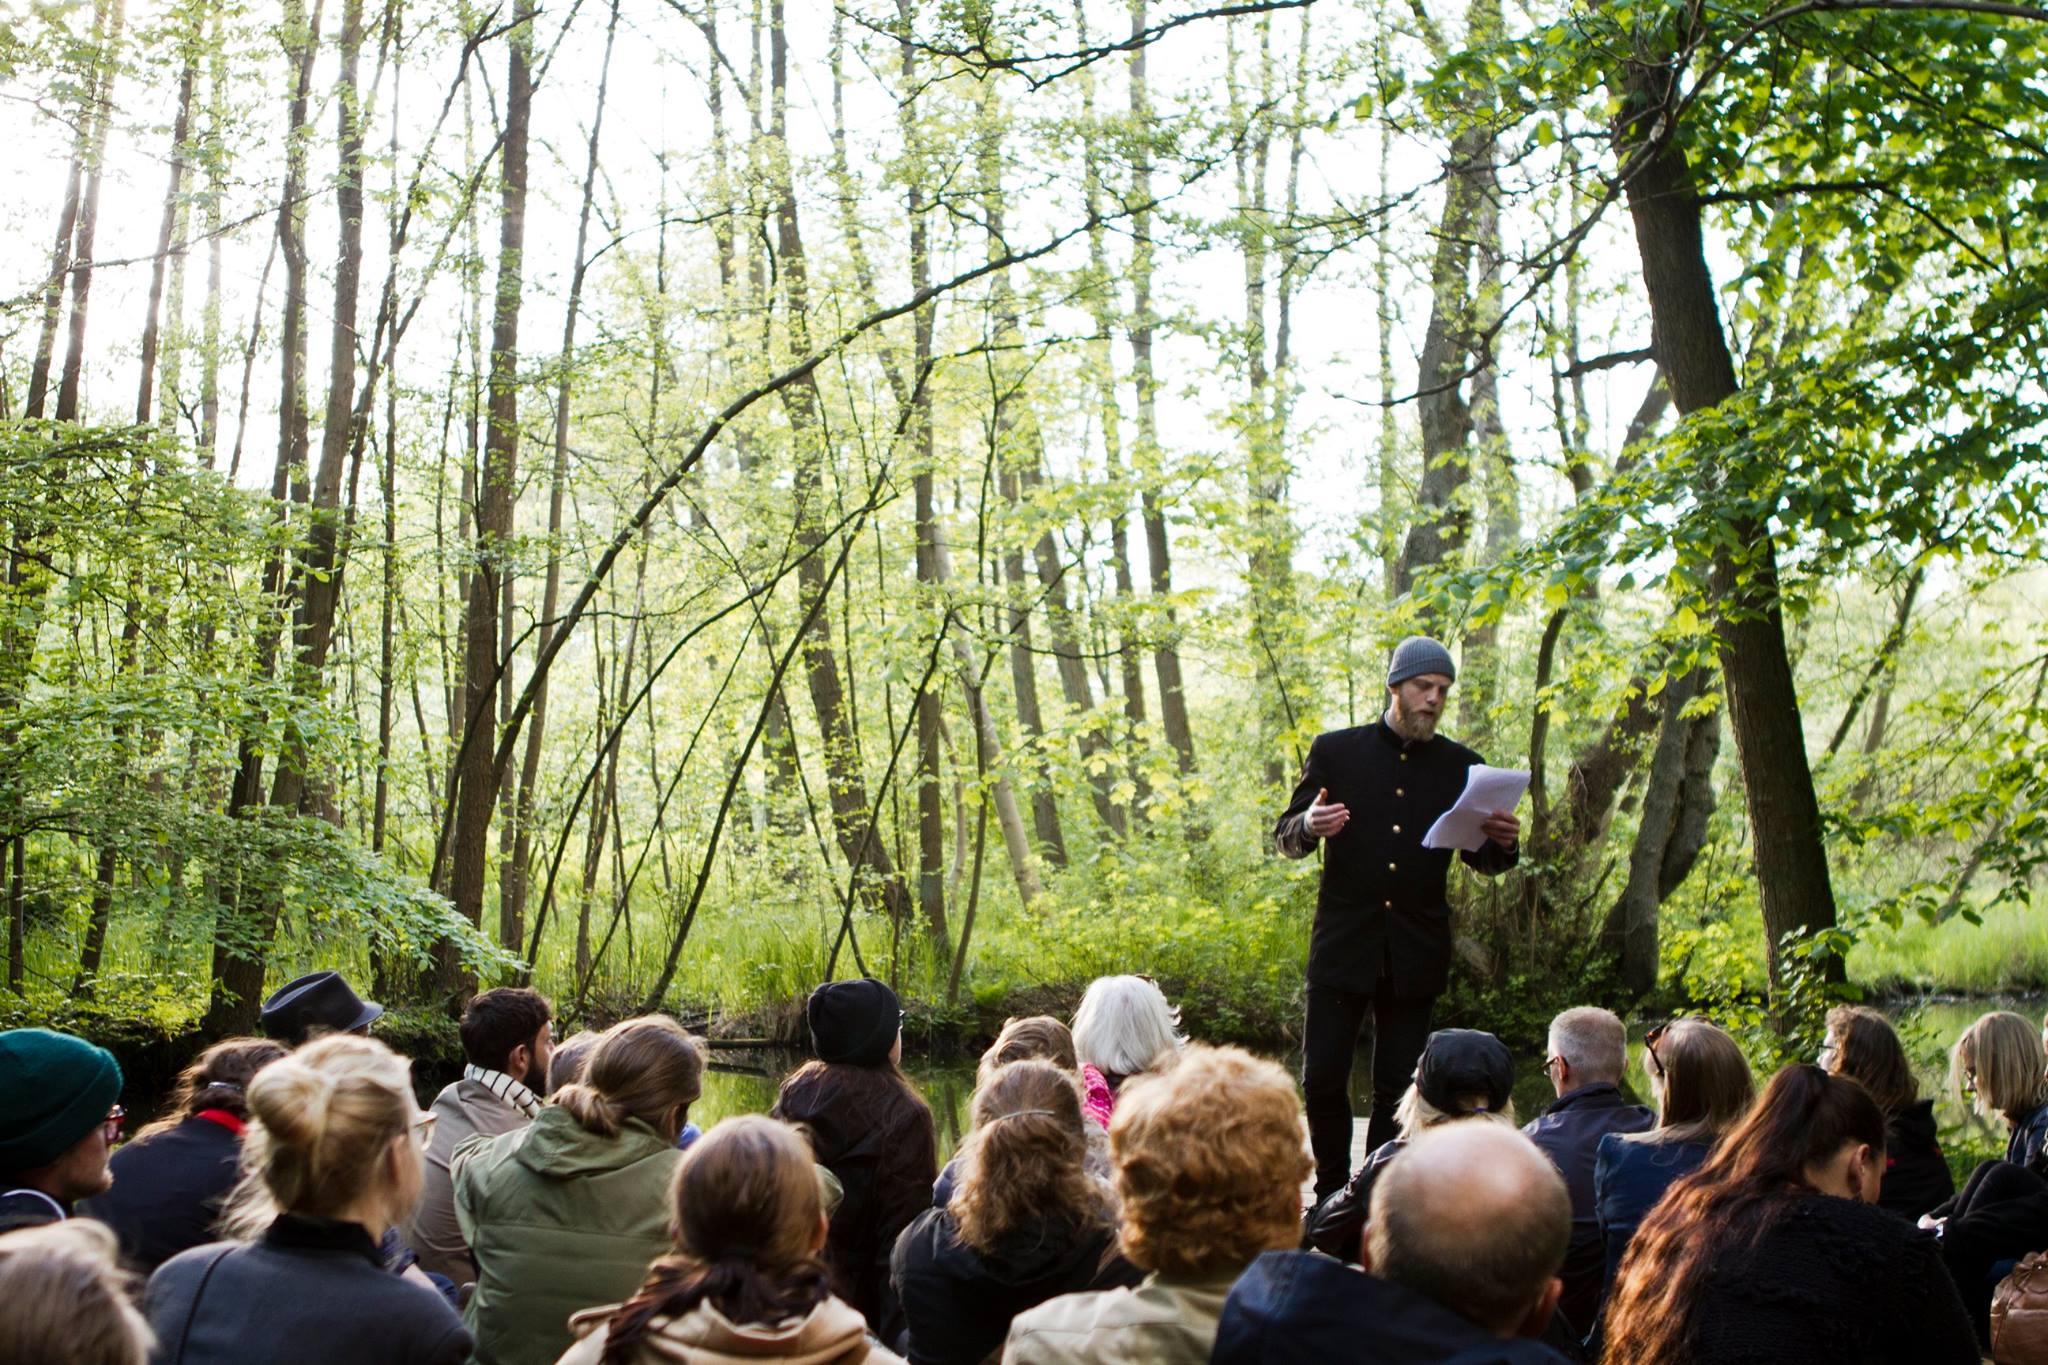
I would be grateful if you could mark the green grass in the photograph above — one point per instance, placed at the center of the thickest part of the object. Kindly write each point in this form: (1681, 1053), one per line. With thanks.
(2007, 953)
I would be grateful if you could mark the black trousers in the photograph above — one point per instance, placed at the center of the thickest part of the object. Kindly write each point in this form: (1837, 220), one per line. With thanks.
(1329, 1039)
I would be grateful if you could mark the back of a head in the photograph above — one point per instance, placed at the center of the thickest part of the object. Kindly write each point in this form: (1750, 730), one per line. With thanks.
(1210, 1157)
(747, 1215)
(1868, 1051)
(1593, 1042)
(1704, 1086)
(649, 1068)
(496, 1021)
(572, 1054)
(1125, 1026)
(63, 1301)
(2001, 1055)
(1473, 1217)
(1037, 1037)
(324, 1119)
(1025, 1164)
(1805, 1118)
(217, 1078)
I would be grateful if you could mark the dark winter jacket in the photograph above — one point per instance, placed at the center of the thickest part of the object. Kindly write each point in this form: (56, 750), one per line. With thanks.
(2028, 1145)
(1916, 1174)
(1828, 1281)
(1336, 1225)
(958, 1303)
(1382, 905)
(1569, 1133)
(1298, 1308)
(168, 1189)
(313, 1291)
(25, 1208)
(1629, 1176)
(875, 1135)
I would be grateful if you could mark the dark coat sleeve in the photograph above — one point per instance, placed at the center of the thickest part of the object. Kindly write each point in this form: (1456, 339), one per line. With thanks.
(1290, 835)
(1938, 1326)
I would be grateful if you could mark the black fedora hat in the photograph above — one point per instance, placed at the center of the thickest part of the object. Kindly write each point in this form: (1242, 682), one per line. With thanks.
(321, 1000)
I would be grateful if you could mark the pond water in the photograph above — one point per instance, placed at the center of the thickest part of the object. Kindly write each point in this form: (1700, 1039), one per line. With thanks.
(746, 1082)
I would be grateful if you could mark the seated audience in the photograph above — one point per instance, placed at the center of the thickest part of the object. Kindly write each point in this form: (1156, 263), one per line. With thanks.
(566, 1212)
(1862, 1045)
(1587, 1054)
(1467, 1235)
(172, 1180)
(1210, 1160)
(1462, 1074)
(1771, 1251)
(58, 1121)
(63, 1301)
(317, 1003)
(744, 1279)
(507, 1042)
(1999, 1064)
(871, 1130)
(333, 1145)
(1124, 1028)
(1039, 1037)
(1026, 1221)
(1702, 1086)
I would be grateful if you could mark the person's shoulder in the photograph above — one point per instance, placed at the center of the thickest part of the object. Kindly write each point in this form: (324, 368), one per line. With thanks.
(188, 1263)
(1464, 755)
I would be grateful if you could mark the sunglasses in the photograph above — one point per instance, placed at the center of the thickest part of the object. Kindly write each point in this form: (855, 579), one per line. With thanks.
(1654, 1037)
(111, 1125)
(424, 1125)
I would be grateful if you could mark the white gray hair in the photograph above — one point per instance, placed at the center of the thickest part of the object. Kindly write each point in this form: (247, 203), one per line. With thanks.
(1125, 1026)
(1593, 1041)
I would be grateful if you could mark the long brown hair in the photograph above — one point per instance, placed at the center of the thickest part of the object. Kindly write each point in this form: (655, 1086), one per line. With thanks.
(746, 1228)
(217, 1078)
(1026, 1162)
(649, 1068)
(1805, 1117)
(1868, 1051)
(1702, 1079)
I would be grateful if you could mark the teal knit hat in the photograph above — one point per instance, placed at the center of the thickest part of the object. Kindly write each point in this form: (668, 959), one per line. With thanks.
(53, 1089)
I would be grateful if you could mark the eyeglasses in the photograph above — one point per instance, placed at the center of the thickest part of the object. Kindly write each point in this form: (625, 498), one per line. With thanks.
(1650, 1041)
(1552, 1063)
(111, 1125)
(424, 1125)
(1969, 1080)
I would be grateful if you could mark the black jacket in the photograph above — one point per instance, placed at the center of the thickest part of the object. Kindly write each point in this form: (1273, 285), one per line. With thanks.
(24, 1208)
(1298, 1308)
(1916, 1174)
(1337, 1225)
(167, 1191)
(958, 1303)
(1382, 905)
(313, 1292)
(1828, 1280)
(876, 1137)
(1569, 1133)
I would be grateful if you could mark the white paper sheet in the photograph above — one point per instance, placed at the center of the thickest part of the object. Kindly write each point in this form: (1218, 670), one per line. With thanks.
(1486, 791)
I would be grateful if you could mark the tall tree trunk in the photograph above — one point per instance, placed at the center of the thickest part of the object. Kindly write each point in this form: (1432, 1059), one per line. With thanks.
(1671, 826)
(152, 317)
(1692, 351)
(1145, 457)
(476, 771)
(109, 66)
(852, 815)
(512, 914)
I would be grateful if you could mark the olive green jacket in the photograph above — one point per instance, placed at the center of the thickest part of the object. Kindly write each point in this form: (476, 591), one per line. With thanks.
(1167, 1320)
(558, 1219)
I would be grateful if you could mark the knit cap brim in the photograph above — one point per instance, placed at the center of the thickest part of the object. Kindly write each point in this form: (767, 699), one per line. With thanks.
(54, 1089)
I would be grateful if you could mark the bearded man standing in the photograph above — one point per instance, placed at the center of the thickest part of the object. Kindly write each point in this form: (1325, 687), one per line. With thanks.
(1382, 938)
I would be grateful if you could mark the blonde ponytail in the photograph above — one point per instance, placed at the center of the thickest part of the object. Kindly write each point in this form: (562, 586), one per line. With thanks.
(321, 1122)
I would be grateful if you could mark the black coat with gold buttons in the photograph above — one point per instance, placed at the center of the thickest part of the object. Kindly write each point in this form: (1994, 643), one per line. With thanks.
(1382, 909)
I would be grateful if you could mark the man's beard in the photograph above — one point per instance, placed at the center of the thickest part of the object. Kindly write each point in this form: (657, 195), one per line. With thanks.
(1413, 725)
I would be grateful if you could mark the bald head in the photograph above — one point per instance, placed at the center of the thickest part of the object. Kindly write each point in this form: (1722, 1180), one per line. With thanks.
(1474, 1217)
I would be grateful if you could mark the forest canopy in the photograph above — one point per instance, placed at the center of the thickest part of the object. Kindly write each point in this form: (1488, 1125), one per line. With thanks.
(676, 499)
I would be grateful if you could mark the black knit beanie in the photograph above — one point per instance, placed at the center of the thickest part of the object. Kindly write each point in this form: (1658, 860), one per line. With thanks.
(854, 1021)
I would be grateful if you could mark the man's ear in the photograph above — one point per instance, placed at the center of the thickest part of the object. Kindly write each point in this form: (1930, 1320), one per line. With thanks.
(1538, 1320)
(519, 1061)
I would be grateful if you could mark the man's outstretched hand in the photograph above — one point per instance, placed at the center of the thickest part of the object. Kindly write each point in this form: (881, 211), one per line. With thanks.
(1502, 827)
(1323, 819)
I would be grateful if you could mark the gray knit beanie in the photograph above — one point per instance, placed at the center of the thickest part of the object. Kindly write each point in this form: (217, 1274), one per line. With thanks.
(1417, 655)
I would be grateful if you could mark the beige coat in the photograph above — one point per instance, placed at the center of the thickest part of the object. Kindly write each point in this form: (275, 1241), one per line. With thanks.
(833, 1334)
(461, 1111)
(1164, 1321)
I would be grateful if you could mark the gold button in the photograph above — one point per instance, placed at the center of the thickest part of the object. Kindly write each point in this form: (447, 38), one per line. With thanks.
(1397, 829)
(1399, 792)
(1390, 905)
(1390, 867)
(1404, 758)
